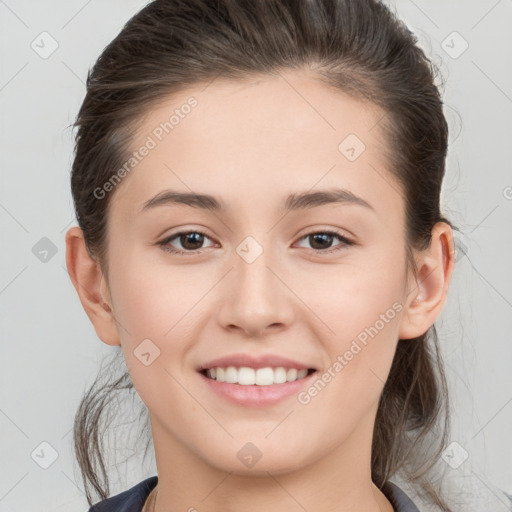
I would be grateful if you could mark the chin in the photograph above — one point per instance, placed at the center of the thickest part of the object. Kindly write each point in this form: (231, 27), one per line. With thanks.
(251, 460)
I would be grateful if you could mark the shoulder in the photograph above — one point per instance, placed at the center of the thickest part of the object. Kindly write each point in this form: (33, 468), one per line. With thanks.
(131, 500)
(400, 501)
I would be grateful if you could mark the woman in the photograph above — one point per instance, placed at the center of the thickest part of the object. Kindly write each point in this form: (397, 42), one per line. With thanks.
(257, 187)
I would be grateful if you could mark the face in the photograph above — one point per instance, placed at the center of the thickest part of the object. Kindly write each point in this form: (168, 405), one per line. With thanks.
(261, 278)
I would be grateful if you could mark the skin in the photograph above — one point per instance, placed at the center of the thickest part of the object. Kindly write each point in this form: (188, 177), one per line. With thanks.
(251, 144)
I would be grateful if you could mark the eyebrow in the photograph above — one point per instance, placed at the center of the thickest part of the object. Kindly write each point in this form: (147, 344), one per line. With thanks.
(296, 201)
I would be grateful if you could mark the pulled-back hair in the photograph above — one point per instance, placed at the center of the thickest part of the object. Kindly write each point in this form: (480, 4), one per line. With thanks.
(357, 46)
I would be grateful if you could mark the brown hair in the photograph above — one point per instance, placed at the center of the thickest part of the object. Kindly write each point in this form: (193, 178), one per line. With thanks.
(357, 46)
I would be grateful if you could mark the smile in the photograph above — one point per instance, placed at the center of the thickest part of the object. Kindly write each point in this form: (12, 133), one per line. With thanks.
(246, 376)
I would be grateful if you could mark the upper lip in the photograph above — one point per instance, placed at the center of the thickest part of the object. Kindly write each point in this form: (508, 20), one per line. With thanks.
(251, 361)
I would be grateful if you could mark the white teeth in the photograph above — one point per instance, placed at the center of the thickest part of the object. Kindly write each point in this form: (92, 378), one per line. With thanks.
(302, 373)
(264, 376)
(291, 375)
(279, 375)
(231, 375)
(246, 376)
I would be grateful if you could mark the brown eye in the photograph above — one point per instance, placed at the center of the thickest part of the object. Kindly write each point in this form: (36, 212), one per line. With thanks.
(190, 241)
(321, 241)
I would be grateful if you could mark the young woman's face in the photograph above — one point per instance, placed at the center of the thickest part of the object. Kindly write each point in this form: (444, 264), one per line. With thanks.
(267, 285)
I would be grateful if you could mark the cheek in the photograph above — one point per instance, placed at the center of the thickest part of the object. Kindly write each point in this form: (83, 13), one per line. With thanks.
(362, 308)
(351, 296)
(148, 300)
(349, 389)
(152, 317)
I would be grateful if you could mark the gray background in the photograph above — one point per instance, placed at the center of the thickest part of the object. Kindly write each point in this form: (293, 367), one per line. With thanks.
(49, 350)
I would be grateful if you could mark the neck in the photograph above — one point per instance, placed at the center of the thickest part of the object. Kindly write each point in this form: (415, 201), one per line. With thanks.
(338, 481)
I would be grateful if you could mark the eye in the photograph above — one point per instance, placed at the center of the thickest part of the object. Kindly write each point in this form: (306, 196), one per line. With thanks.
(323, 240)
(189, 240)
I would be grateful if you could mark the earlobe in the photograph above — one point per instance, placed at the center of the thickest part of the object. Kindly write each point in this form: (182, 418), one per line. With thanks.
(90, 283)
(427, 296)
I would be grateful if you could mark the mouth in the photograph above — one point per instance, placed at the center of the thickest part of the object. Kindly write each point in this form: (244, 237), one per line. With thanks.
(247, 376)
(250, 380)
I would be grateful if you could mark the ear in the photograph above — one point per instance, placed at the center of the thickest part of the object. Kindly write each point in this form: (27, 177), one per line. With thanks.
(427, 295)
(91, 286)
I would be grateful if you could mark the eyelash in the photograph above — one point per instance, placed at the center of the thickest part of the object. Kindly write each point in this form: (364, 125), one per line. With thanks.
(164, 244)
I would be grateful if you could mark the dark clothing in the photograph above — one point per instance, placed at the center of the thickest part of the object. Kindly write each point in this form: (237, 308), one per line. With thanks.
(133, 499)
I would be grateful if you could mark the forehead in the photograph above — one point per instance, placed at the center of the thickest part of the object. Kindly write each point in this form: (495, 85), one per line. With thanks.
(291, 105)
(269, 134)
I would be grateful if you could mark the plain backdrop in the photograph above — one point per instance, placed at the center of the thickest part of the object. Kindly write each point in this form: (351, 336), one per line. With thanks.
(49, 351)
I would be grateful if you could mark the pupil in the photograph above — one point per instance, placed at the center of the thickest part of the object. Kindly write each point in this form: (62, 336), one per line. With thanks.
(190, 237)
(322, 236)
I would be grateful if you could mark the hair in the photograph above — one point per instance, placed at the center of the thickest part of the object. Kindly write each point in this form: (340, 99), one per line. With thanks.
(357, 46)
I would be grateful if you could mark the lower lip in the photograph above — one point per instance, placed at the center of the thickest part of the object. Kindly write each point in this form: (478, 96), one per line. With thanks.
(257, 396)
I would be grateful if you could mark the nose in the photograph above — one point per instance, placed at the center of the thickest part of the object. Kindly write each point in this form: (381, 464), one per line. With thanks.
(255, 297)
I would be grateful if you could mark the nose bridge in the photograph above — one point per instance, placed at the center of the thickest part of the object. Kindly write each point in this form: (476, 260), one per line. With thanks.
(254, 279)
(257, 298)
